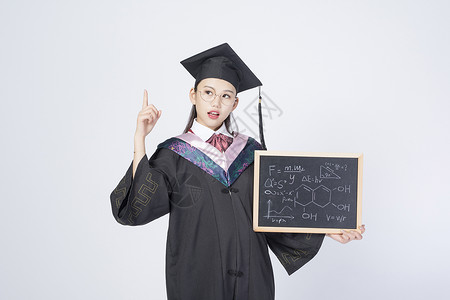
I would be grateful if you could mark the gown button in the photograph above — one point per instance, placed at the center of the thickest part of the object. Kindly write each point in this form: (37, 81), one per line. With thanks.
(227, 190)
(235, 273)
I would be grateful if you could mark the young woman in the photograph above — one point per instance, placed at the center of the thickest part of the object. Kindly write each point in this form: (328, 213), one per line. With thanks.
(204, 179)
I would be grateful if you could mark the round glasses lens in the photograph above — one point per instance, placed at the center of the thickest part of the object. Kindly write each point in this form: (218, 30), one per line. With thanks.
(206, 95)
(227, 99)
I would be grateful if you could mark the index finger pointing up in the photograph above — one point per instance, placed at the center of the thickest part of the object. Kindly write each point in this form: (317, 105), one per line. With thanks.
(145, 104)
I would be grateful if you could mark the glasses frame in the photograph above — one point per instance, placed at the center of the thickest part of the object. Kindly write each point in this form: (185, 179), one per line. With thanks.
(214, 98)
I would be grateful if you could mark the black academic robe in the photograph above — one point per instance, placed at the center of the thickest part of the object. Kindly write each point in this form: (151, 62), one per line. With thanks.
(212, 252)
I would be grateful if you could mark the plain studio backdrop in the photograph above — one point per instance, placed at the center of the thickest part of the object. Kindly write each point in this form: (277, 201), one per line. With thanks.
(339, 76)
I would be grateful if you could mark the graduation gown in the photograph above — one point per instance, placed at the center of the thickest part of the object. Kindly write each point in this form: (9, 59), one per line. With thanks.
(212, 252)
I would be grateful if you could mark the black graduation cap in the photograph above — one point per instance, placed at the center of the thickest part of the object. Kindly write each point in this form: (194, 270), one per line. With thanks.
(222, 62)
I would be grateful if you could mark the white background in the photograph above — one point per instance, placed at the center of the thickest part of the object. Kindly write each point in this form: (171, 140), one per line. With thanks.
(348, 76)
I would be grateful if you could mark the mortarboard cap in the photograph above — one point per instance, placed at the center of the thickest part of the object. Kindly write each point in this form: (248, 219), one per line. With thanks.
(223, 63)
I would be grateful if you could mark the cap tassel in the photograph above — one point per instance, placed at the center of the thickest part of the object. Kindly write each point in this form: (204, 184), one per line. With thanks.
(261, 130)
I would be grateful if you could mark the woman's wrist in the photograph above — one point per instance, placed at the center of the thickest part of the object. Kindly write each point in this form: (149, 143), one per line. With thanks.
(139, 137)
(139, 144)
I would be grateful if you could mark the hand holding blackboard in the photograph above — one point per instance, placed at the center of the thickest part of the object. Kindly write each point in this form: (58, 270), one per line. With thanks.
(347, 236)
(307, 192)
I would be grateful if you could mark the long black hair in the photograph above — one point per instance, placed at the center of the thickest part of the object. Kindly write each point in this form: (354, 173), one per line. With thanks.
(227, 121)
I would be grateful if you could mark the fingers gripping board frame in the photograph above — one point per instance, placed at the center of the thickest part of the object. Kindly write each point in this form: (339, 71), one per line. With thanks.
(307, 192)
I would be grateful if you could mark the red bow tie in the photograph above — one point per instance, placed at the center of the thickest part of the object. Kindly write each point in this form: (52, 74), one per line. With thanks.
(220, 141)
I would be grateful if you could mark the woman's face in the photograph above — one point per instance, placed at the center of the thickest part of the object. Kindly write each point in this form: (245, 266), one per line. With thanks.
(212, 114)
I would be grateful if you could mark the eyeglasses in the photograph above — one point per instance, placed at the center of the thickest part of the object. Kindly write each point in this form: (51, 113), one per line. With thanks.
(208, 95)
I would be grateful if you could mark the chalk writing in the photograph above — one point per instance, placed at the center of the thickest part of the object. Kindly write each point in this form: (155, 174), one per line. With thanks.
(276, 215)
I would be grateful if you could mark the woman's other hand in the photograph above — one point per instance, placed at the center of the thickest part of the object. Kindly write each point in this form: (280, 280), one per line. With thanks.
(347, 235)
(147, 117)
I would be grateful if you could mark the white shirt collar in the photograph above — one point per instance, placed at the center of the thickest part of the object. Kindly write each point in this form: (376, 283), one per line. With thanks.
(205, 133)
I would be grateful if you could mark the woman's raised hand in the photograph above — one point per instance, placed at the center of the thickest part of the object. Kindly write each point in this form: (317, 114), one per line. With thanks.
(147, 117)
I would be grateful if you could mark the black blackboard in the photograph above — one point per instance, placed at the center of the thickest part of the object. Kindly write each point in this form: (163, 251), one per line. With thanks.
(307, 192)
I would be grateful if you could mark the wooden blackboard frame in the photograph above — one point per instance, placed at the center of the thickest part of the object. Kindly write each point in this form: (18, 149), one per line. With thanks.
(259, 153)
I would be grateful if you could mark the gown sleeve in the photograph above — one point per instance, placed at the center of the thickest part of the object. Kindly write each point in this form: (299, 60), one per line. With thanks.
(146, 197)
(294, 250)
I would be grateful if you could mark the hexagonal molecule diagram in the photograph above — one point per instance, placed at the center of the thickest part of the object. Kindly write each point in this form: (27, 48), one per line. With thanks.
(304, 195)
(320, 196)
